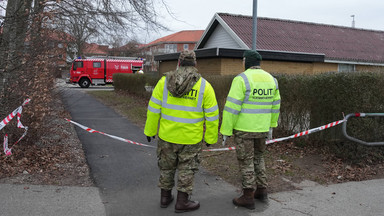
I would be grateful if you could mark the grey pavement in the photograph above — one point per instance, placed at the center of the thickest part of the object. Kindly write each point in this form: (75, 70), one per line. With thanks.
(23, 200)
(126, 178)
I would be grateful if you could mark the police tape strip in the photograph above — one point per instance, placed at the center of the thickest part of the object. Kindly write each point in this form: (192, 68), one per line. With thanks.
(289, 137)
(314, 130)
(219, 149)
(17, 112)
(90, 130)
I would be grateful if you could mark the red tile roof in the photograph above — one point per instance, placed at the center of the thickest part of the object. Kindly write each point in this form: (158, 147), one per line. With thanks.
(336, 42)
(190, 36)
(95, 49)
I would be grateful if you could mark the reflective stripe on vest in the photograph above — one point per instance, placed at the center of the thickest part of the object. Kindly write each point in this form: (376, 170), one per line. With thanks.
(156, 101)
(239, 102)
(181, 120)
(198, 107)
(154, 110)
(251, 111)
(277, 85)
(247, 101)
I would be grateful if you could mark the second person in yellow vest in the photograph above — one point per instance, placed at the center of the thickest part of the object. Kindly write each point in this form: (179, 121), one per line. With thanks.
(251, 110)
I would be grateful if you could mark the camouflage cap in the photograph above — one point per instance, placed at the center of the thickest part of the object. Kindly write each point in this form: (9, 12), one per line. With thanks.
(187, 55)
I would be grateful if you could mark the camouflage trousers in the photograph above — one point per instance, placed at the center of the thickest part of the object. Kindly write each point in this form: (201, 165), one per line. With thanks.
(250, 148)
(183, 158)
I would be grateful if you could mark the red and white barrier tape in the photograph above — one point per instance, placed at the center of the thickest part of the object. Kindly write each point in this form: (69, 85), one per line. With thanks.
(314, 130)
(17, 112)
(90, 130)
(288, 137)
(7, 151)
(219, 149)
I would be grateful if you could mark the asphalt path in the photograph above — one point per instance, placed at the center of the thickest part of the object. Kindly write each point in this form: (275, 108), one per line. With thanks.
(127, 175)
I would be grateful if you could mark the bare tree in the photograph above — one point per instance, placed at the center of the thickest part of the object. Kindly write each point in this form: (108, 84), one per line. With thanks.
(25, 47)
(13, 36)
(85, 19)
(81, 28)
(130, 49)
(81, 18)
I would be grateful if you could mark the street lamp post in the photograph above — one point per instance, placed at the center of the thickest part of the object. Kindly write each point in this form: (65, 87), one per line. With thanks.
(254, 29)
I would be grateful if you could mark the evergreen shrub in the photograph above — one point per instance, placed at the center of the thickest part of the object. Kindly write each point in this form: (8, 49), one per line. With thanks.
(309, 101)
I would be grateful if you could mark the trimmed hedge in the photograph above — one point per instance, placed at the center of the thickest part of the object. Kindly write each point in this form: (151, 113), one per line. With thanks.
(309, 101)
(134, 83)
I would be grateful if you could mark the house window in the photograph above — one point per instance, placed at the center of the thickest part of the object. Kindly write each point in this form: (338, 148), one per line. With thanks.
(186, 46)
(96, 64)
(346, 68)
(170, 48)
(60, 45)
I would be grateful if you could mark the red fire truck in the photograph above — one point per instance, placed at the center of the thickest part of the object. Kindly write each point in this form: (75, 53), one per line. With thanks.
(99, 71)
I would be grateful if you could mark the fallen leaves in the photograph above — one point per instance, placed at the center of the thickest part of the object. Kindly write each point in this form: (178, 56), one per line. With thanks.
(56, 158)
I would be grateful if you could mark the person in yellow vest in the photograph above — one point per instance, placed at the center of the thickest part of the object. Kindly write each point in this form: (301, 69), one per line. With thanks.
(186, 106)
(251, 111)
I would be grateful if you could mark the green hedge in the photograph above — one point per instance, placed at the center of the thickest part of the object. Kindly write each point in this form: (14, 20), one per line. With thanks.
(312, 101)
(134, 83)
(309, 101)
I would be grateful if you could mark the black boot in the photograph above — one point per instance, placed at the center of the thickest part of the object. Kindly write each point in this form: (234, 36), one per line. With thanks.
(246, 200)
(183, 204)
(261, 194)
(166, 198)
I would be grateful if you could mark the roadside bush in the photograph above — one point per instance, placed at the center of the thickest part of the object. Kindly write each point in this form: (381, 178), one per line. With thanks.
(134, 83)
(221, 85)
(310, 101)
(335, 93)
(316, 100)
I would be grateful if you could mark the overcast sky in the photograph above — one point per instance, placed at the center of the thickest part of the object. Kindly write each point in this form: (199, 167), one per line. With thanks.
(196, 14)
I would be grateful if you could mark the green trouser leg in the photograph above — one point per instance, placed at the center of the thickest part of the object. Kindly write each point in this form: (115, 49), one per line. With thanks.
(185, 158)
(250, 148)
(259, 164)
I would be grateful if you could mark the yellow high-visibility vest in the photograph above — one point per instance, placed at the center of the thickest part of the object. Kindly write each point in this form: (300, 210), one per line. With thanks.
(182, 118)
(253, 103)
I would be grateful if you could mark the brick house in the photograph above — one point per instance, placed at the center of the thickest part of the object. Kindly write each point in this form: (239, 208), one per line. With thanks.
(93, 49)
(183, 40)
(57, 52)
(286, 46)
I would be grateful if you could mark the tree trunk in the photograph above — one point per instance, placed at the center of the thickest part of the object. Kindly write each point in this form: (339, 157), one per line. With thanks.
(13, 39)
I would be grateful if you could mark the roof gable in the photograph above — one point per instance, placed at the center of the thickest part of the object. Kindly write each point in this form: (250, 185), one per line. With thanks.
(336, 42)
(221, 38)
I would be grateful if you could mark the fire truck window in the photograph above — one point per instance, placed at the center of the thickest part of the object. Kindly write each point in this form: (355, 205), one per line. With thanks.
(78, 64)
(96, 64)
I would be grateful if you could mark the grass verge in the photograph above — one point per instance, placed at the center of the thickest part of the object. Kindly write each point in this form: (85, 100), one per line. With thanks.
(129, 106)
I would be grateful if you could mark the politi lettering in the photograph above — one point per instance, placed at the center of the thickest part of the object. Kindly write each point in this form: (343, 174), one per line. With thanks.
(262, 91)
